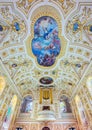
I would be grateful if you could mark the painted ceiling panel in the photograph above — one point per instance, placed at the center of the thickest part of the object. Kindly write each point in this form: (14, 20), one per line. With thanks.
(32, 33)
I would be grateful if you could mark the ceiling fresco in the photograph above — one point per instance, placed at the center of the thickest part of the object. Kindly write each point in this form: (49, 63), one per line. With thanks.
(46, 80)
(45, 42)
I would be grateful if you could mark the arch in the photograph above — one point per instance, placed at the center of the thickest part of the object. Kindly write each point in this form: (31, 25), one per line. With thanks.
(65, 93)
(2, 84)
(45, 128)
(30, 95)
(9, 113)
(26, 105)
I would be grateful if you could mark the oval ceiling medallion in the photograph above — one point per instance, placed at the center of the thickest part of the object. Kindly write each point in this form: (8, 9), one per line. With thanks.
(46, 44)
(46, 80)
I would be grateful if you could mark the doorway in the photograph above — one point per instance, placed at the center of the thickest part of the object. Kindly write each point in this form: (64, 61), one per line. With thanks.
(45, 128)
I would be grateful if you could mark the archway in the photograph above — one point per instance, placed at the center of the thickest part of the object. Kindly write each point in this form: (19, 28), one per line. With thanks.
(45, 128)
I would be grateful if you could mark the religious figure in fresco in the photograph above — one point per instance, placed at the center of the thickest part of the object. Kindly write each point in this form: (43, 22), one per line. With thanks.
(46, 80)
(46, 43)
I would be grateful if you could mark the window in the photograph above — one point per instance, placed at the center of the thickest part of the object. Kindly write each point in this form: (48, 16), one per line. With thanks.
(62, 106)
(89, 84)
(10, 113)
(26, 105)
(2, 84)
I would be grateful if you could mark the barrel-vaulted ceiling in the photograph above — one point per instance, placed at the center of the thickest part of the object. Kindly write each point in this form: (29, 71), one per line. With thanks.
(73, 63)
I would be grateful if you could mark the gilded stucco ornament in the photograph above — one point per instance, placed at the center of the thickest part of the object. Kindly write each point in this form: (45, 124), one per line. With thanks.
(66, 6)
(79, 26)
(78, 30)
(76, 64)
(13, 29)
(26, 5)
(16, 63)
(88, 31)
(3, 31)
(75, 69)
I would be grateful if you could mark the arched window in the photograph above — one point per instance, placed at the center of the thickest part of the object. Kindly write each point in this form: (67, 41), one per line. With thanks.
(26, 105)
(89, 84)
(81, 110)
(9, 113)
(65, 105)
(2, 84)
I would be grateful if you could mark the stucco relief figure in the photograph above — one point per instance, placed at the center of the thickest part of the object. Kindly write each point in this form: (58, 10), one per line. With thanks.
(46, 43)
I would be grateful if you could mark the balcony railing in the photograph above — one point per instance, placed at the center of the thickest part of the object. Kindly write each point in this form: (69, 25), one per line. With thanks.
(67, 115)
(24, 117)
(46, 115)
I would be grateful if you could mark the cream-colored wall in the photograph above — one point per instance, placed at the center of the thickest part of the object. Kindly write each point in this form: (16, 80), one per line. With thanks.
(5, 100)
(86, 99)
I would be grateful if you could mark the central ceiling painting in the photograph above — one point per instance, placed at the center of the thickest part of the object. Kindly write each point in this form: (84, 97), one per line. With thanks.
(46, 44)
